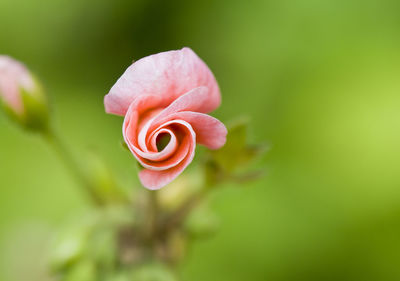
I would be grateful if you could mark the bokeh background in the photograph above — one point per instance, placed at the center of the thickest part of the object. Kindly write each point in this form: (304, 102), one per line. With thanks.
(319, 81)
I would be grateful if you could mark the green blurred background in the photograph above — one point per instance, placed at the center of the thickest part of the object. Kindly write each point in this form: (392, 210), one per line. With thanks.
(319, 80)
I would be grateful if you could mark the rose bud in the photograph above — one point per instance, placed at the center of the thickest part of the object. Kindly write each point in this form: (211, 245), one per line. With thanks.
(165, 98)
(21, 95)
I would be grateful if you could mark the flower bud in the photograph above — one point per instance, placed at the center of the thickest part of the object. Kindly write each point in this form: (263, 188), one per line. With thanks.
(22, 96)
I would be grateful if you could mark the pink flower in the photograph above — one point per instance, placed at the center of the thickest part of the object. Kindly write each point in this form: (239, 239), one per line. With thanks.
(165, 97)
(14, 77)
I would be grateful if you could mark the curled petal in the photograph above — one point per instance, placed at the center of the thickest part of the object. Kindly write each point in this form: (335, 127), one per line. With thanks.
(136, 109)
(158, 161)
(167, 163)
(158, 155)
(168, 75)
(194, 100)
(152, 179)
(209, 131)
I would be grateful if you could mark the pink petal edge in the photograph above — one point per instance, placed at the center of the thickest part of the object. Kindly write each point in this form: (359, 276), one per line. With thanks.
(167, 75)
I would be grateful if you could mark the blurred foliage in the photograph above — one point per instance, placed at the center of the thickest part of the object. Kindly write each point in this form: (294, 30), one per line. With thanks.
(202, 222)
(153, 272)
(228, 163)
(319, 81)
(88, 247)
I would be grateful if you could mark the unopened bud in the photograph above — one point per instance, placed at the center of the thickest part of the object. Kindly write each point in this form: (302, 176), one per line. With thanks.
(22, 96)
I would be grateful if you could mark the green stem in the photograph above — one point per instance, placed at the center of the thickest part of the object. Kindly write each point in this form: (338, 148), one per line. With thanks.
(154, 216)
(155, 207)
(150, 223)
(71, 164)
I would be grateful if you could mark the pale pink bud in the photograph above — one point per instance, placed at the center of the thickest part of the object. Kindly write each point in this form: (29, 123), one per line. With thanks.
(21, 95)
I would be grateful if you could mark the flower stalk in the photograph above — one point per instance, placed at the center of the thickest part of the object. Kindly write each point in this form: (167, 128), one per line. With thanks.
(75, 168)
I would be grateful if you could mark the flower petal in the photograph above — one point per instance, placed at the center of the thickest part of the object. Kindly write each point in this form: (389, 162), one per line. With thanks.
(136, 109)
(170, 156)
(168, 75)
(194, 100)
(209, 131)
(152, 179)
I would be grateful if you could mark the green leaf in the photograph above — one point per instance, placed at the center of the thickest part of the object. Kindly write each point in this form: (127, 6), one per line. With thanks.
(231, 155)
(234, 157)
